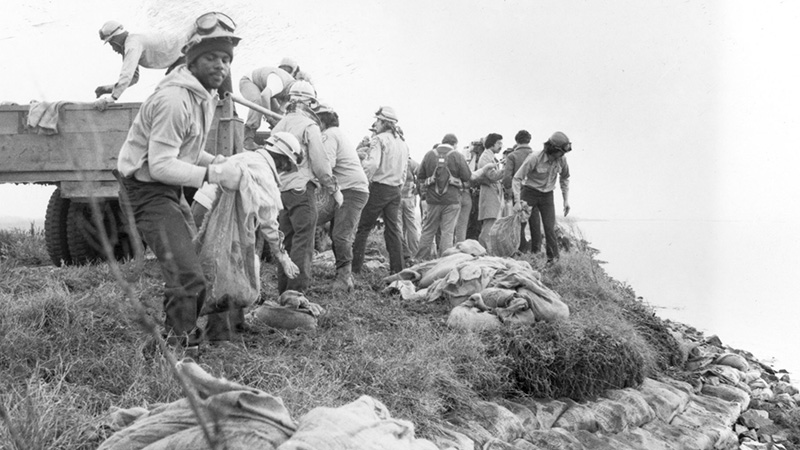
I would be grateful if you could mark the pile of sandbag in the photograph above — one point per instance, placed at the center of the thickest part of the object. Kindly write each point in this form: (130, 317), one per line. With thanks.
(292, 311)
(483, 291)
(239, 417)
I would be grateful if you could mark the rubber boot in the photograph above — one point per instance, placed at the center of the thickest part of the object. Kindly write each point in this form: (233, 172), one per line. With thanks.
(250, 138)
(344, 279)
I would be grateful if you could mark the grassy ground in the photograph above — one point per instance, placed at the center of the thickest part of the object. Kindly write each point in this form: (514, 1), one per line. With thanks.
(71, 347)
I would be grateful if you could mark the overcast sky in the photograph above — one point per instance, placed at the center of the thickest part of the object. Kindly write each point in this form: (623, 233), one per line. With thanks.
(676, 109)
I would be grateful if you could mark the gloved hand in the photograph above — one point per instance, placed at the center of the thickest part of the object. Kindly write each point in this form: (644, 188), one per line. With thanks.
(338, 198)
(101, 104)
(106, 89)
(289, 267)
(219, 159)
(227, 174)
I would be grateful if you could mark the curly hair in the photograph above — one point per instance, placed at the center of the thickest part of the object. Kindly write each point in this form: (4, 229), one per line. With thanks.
(522, 137)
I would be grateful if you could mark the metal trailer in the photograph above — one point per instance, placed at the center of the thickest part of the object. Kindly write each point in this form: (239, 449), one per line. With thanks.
(79, 160)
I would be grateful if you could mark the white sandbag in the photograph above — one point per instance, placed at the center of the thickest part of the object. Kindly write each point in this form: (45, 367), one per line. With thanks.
(363, 424)
(469, 246)
(405, 288)
(248, 418)
(499, 421)
(733, 360)
(577, 417)
(442, 267)
(665, 400)
(467, 317)
(548, 309)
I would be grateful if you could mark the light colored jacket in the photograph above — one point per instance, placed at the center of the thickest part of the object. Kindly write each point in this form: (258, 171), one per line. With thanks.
(344, 161)
(490, 204)
(315, 161)
(387, 160)
(167, 139)
(153, 51)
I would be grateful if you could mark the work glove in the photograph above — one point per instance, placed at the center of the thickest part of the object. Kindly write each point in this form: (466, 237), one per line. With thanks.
(101, 90)
(338, 198)
(101, 104)
(289, 267)
(227, 174)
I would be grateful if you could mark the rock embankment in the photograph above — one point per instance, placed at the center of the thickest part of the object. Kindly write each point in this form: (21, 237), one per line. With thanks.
(722, 401)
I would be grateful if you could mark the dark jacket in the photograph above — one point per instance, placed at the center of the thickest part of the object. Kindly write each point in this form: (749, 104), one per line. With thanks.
(458, 169)
(514, 161)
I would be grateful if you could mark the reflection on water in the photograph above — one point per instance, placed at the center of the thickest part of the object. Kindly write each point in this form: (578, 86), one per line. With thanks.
(737, 280)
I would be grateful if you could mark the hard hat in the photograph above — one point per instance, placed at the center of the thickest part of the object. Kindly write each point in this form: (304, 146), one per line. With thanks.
(560, 141)
(110, 29)
(285, 144)
(302, 90)
(210, 28)
(324, 108)
(292, 64)
(386, 113)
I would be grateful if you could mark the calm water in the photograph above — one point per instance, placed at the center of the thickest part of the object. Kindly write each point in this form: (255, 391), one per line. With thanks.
(738, 280)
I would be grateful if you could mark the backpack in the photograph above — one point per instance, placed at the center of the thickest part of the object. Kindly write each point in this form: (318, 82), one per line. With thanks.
(442, 178)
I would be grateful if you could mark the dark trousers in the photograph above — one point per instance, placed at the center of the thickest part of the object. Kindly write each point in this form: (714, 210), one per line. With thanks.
(383, 199)
(165, 222)
(535, 225)
(345, 222)
(298, 222)
(543, 202)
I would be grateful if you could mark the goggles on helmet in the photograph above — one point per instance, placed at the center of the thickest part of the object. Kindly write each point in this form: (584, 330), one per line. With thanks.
(209, 22)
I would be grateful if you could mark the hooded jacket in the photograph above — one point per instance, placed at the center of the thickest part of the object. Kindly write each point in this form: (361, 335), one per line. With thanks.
(166, 142)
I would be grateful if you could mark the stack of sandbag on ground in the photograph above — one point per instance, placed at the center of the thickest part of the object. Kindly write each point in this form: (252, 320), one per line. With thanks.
(240, 417)
(363, 424)
(484, 292)
(292, 311)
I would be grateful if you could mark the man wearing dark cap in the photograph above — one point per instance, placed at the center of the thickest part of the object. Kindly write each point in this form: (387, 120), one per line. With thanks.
(442, 174)
(164, 151)
(385, 165)
(518, 154)
(535, 182)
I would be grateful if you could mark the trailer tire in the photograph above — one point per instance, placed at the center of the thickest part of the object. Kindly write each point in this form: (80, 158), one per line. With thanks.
(81, 232)
(55, 229)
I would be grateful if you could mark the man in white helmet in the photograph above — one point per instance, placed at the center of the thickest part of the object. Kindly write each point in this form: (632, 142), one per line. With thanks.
(269, 87)
(353, 183)
(298, 220)
(163, 152)
(149, 50)
(385, 165)
(535, 182)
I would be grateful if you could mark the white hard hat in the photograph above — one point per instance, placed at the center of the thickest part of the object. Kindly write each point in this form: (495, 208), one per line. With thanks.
(285, 144)
(302, 90)
(110, 29)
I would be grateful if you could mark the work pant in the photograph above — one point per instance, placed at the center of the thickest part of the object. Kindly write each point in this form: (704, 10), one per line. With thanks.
(165, 221)
(298, 223)
(438, 218)
(383, 199)
(543, 202)
(474, 225)
(486, 227)
(462, 221)
(345, 222)
(408, 214)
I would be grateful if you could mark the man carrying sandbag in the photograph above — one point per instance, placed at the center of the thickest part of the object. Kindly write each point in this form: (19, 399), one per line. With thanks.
(535, 182)
(162, 153)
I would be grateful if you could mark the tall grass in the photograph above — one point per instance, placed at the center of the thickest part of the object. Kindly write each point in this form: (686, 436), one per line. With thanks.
(71, 347)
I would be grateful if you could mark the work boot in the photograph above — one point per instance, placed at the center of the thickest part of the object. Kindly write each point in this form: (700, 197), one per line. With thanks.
(344, 280)
(250, 138)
